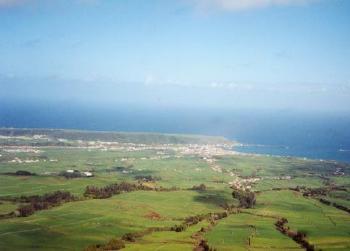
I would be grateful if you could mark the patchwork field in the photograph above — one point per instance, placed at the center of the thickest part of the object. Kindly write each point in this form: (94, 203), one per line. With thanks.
(75, 190)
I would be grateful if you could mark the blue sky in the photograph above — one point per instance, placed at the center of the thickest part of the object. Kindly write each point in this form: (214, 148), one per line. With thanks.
(217, 53)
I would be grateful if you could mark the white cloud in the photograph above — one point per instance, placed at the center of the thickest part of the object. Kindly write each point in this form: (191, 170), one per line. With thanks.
(237, 5)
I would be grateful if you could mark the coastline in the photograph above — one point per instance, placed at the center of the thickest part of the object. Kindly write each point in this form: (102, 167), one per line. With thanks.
(331, 154)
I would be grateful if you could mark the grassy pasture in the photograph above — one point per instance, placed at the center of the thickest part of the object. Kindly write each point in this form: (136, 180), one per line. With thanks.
(183, 172)
(326, 227)
(171, 241)
(75, 225)
(248, 232)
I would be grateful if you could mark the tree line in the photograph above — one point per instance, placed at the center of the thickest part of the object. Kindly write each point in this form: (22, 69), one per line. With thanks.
(43, 202)
(334, 204)
(117, 188)
(298, 236)
(20, 173)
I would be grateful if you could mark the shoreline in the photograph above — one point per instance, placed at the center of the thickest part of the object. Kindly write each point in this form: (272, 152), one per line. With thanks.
(269, 152)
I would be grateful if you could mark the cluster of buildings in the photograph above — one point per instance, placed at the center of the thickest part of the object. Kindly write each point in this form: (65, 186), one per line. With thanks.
(244, 184)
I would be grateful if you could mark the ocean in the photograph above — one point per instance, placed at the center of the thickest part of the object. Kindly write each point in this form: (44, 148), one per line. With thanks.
(316, 135)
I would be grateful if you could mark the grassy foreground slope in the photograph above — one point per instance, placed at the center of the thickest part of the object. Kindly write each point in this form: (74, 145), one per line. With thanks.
(174, 212)
(74, 226)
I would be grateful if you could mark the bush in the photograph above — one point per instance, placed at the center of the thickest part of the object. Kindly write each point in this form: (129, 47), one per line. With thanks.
(24, 173)
(178, 228)
(201, 187)
(26, 210)
(131, 237)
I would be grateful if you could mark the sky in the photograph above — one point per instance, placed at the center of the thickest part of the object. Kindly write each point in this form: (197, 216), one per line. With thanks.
(280, 54)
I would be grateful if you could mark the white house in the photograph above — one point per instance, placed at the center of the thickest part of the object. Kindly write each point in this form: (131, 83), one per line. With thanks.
(88, 174)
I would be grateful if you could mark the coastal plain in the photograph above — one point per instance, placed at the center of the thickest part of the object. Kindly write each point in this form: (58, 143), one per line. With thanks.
(80, 190)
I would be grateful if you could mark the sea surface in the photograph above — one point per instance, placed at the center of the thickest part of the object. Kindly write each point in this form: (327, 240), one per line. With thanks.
(316, 135)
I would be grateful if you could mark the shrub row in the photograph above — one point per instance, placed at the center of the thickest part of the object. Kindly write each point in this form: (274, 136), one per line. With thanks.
(298, 236)
(117, 188)
(336, 205)
(114, 244)
(42, 202)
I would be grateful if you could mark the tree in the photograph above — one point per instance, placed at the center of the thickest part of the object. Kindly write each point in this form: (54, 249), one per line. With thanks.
(247, 199)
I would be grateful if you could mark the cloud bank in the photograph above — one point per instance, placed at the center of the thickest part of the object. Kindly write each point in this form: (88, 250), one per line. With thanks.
(238, 5)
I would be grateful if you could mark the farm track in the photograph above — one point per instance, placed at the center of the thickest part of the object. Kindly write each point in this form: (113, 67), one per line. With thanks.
(21, 231)
(260, 215)
(251, 236)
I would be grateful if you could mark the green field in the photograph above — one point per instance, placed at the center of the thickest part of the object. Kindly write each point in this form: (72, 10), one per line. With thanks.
(168, 167)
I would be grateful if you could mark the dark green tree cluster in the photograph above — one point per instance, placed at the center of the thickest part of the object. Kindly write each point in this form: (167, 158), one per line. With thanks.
(114, 244)
(201, 187)
(113, 189)
(247, 199)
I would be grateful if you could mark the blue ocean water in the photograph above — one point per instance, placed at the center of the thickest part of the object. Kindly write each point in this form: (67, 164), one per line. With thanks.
(323, 153)
(317, 135)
